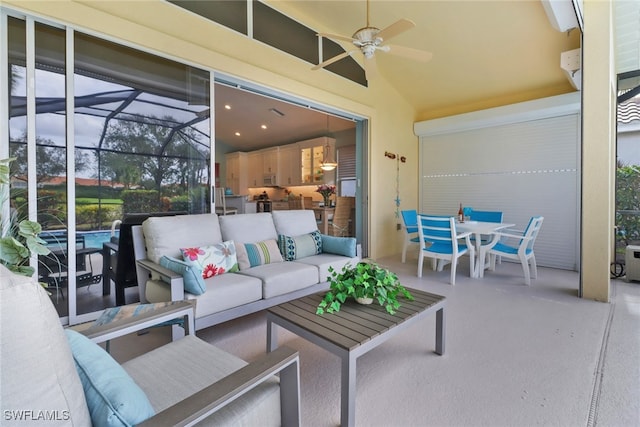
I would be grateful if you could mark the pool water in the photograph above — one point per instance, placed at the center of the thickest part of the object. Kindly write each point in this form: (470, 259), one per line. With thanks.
(92, 239)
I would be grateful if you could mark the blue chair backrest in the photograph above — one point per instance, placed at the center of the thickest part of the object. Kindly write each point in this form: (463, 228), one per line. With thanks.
(410, 219)
(486, 216)
(436, 227)
(532, 230)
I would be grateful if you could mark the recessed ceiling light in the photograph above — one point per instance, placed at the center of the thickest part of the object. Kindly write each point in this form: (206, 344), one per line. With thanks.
(263, 126)
(227, 107)
(237, 133)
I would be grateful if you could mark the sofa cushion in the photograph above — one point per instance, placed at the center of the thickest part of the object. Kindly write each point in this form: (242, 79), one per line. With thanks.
(284, 277)
(212, 260)
(191, 276)
(260, 253)
(37, 371)
(248, 228)
(222, 293)
(207, 364)
(323, 261)
(345, 246)
(166, 235)
(113, 398)
(294, 222)
(297, 247)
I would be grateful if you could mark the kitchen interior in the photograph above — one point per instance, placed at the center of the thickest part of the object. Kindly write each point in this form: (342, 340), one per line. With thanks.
(269, 151)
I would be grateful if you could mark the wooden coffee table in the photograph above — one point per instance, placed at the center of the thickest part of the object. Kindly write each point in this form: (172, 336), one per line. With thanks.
(353, 331)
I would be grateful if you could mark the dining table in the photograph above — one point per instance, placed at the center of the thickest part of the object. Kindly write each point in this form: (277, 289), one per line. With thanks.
(479, 229)
(323, 213)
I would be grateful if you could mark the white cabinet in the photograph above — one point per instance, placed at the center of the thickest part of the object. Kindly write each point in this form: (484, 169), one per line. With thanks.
(289, 165)
(255, 174)
(270, 160)
(236, 172)
(312, 154)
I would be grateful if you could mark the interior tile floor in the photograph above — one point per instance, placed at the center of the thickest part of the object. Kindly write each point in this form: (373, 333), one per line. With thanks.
(516, 355)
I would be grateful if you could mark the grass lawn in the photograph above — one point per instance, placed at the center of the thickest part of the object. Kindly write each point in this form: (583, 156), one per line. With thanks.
(95, 201)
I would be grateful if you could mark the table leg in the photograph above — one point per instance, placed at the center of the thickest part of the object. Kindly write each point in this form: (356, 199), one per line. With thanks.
(440, 331)
(348, 387)
(272, 336)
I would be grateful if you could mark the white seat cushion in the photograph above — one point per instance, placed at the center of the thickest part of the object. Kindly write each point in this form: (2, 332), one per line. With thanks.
(190, 364)
(283, 277)
(324, 261)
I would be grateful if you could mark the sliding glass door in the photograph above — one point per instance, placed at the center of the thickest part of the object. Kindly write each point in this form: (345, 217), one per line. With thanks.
(106, 133)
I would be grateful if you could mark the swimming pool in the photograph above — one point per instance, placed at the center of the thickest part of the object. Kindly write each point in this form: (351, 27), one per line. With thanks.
(92, 239)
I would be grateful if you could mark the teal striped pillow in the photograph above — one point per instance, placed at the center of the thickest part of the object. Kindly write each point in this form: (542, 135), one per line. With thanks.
(260, 253)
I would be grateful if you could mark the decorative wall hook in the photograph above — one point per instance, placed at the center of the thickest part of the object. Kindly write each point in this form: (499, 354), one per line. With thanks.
(392, 156)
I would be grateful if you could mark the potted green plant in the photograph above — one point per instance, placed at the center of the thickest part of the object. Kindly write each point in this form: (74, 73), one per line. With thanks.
(366, 282)
(18, 239)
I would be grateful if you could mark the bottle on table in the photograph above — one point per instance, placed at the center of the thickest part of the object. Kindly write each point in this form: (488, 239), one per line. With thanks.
(461, 214)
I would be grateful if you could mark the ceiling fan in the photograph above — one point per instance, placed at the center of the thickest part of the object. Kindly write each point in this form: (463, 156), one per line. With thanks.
(370, 39)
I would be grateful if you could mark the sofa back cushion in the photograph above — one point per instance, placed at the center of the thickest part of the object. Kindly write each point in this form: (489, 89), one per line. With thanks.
(167, 235)
(295, 222)
(37, 370)
(248, 228)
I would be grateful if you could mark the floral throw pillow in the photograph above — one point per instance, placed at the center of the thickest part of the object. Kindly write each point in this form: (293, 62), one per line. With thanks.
(212, 260)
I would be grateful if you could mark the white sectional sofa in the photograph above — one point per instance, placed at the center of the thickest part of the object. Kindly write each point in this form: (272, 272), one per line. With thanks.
(260, 281)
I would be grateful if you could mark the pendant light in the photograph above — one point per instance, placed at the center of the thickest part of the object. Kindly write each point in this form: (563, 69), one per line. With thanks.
(328, 161)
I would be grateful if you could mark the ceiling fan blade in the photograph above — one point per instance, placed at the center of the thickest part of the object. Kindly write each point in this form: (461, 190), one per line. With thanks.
(370, 67)
(408, 52)
(332, 60)
(336, 37)
(396, 28)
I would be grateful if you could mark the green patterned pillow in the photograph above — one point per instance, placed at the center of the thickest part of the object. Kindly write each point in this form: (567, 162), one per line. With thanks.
(302, 246)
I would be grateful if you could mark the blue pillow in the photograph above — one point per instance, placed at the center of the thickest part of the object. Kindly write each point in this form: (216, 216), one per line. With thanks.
(193, 281)
(298, 247)
(113, 398)
(345, 246)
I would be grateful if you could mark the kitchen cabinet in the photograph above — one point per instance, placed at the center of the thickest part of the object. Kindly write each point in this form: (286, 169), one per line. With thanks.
(236, 172)
(255, 174)
(289, 165)
(270, 160)
(311, 156)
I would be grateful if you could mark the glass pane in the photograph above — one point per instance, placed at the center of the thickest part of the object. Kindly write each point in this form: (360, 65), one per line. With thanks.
(142, 133)
(51, 164)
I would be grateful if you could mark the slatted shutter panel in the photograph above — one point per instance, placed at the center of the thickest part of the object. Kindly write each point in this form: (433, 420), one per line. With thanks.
(523, 169)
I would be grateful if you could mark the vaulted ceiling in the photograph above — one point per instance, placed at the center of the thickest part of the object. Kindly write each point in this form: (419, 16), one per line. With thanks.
(485, 53)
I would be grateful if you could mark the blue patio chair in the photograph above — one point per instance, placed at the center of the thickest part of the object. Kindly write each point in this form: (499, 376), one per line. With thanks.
(522, 251)
(486, 216)
(410, 227)
(439, 241)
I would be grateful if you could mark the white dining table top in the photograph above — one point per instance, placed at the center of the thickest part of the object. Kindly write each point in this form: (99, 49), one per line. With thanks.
(481, 227)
